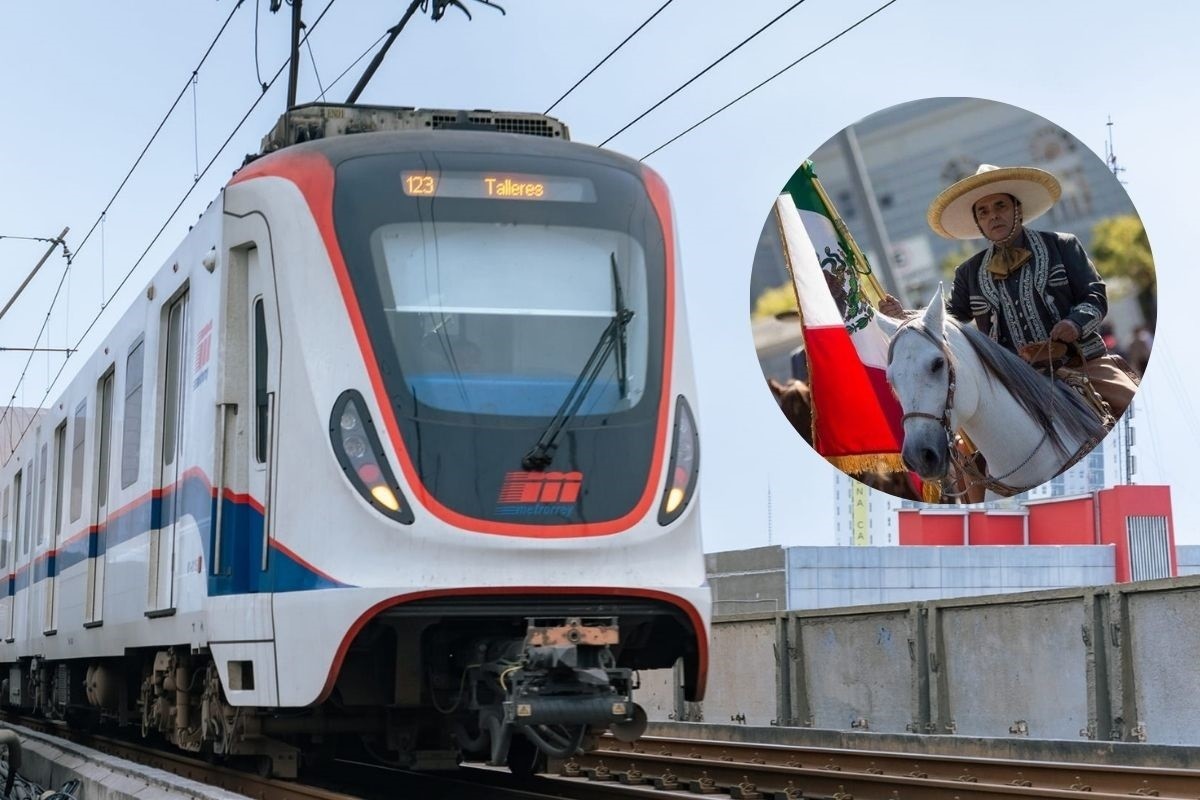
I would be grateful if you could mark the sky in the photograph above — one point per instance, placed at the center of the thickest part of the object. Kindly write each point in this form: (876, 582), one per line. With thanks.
(86, 84)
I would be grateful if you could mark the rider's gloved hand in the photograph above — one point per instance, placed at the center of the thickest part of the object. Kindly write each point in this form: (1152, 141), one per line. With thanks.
(890, 306)
(1065, 331)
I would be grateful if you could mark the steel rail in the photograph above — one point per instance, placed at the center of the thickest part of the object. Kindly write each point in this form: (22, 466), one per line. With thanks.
(343, 780)
(744, 769)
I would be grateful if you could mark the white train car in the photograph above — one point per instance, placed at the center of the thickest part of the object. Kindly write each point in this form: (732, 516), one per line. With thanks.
(397, 448)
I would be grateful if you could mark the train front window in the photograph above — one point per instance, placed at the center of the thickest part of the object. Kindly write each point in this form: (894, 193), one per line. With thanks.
(500, 318)
(515, 304)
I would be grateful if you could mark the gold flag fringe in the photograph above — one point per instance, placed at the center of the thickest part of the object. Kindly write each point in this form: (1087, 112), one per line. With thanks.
(931, 491)
(871, 462)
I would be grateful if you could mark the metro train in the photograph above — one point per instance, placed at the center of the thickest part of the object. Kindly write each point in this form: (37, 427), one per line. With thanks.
(397, 451)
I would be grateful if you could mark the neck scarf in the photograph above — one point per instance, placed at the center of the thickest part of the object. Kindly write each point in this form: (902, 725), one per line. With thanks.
(1008, 257)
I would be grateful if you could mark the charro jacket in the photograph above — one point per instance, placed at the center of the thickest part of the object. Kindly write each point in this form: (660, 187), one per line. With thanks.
(1058, 282)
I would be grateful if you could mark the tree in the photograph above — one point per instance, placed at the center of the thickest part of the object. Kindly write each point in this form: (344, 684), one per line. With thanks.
(951, 260)
(775, 301)
(1121, 249)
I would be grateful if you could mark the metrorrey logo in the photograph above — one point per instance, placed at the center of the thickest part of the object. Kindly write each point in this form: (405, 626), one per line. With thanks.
(539, 493)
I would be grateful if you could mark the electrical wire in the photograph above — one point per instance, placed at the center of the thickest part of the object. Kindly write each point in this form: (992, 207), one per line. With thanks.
(124, 181)
(750, 91)
(692, 79)
(257, 71)
(25, 789)
(354, 64)
(158, 235)
(187, 84)
(313, 58)
(624, 41)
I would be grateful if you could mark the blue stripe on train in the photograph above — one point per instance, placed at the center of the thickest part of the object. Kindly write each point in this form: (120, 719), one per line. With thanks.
(241, 543)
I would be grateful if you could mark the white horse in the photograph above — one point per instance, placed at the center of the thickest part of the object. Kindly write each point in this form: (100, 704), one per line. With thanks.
(950, 377)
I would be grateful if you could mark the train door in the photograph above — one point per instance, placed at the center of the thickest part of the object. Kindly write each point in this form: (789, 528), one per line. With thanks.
(98, 554)
(40, 566)
(50, 614)
(23, 600)
(264, 382)
(174, 394)
(8, 555)
(246, 426)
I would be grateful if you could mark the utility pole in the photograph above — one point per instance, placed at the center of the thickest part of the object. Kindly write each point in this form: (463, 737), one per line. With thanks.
(864, 195)
(54, 243)
(1128, 463)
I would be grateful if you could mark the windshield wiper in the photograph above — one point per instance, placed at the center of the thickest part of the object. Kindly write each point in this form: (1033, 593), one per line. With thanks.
(613, 338)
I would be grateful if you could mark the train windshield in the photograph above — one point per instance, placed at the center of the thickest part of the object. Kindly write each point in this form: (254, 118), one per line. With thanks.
(503, 318)
(513, 302)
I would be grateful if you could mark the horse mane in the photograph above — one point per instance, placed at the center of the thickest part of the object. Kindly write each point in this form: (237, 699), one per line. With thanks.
(1029, 388)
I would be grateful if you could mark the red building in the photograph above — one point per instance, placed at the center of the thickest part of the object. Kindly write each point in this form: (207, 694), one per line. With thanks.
(1135, 519)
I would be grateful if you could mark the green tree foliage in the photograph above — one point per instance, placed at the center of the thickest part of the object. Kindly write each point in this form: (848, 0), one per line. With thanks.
(1120, 249)
(775, 301)
(951, 260)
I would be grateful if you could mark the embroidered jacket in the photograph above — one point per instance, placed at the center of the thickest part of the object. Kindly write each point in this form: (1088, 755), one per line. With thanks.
(1058, 282)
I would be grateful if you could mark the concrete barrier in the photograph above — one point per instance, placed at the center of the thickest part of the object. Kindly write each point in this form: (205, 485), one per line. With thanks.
(1110, 663)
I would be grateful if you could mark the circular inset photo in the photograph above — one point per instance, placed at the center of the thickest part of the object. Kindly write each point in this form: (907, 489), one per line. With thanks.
(953, 301)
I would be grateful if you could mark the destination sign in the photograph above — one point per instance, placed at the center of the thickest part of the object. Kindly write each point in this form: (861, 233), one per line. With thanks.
(498, 186)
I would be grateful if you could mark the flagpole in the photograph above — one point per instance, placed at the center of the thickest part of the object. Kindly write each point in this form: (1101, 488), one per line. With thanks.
(870, 283)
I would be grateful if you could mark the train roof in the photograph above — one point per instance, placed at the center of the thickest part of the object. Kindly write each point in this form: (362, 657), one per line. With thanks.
(345, 132)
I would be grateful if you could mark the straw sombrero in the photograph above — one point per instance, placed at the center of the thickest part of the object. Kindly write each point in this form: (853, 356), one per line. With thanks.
(950, 214)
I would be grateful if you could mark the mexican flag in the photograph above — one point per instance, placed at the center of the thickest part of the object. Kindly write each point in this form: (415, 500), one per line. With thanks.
(856, 419)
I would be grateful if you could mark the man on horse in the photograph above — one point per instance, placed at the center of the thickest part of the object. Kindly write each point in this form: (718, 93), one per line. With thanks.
(1027, 286)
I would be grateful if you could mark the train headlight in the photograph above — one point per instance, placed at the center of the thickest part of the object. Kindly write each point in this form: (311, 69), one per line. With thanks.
(356, 445)
(684, 467)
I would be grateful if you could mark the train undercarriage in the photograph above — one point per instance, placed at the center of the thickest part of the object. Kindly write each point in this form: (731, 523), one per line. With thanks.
(422, 686)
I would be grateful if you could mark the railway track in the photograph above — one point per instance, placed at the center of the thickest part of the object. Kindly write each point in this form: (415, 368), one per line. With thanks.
(665, 766)
(751, 771)
(339, 780)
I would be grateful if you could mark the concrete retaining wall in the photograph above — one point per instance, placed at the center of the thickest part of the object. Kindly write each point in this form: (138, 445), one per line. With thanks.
(1113, 663)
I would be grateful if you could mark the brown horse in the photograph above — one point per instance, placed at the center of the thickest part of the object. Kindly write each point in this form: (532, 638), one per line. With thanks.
(795, 401)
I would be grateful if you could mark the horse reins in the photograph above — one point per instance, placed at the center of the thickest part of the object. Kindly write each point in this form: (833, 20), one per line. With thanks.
(964, 464)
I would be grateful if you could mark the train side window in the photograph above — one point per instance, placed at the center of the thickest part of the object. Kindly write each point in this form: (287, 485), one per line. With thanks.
(60, 466)
(131, 435)
(173, 375)
(28, 509)
(78, 436)
(260, 381)
(4, 531)
(104, 422)
(16, 529)
(41, 496)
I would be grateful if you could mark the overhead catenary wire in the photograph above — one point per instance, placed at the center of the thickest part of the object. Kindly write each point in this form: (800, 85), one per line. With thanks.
(758, 86)
(54, 245)
(316, 72)
(702, 72)
(137, 162)
(179, 97)
(611, 53)
(162, 229)
(354, 64)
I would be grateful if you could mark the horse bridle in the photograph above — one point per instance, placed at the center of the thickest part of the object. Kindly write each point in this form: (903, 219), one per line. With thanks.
(940, 344)
(964, 463)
